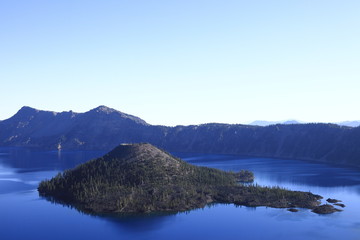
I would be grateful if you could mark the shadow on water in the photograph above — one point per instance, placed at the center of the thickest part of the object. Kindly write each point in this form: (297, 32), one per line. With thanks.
(130, 222)
(136, 223)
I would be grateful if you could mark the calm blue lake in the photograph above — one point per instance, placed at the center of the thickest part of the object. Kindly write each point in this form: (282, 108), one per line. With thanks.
(24, 215)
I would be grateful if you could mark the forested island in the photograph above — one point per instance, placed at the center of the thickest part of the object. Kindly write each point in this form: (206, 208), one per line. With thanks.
(140, 178)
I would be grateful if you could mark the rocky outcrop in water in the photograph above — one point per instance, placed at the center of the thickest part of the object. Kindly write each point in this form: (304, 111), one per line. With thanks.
(325, 209)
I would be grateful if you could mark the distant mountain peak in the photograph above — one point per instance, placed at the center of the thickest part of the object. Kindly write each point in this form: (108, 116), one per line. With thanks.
(349, 123)
(104, 109)
(268, 123)
(28, 109)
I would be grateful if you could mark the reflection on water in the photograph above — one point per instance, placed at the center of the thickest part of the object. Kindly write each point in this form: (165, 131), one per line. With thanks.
(141, 223)
(21, 170)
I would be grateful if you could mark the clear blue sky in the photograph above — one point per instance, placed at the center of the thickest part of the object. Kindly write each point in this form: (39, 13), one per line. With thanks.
(183, 62)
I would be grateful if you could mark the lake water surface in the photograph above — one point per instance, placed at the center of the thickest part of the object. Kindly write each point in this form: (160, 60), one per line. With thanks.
(25, 215)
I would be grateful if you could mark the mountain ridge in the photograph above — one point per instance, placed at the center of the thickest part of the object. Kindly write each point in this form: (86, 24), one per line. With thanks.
(104, 128)
(263, 123)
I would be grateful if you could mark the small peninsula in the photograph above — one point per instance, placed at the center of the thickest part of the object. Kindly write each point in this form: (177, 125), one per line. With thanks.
(140, 178)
